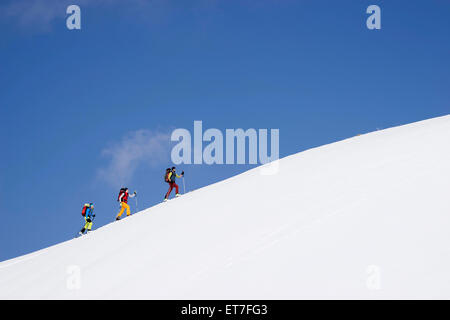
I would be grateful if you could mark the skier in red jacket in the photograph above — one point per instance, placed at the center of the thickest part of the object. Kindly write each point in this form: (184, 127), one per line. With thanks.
(123, 199)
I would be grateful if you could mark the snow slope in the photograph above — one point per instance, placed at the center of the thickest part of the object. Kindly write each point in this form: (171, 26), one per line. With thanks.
(367, 217)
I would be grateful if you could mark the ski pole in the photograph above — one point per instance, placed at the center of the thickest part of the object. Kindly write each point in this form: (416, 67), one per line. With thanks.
(184, 186)
(137, 208)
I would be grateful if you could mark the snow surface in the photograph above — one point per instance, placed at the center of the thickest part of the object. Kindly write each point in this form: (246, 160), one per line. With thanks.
(364, 218)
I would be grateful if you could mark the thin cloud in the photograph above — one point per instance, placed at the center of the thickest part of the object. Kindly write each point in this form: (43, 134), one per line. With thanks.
(142, 147)
(40, 14)
(36, 13)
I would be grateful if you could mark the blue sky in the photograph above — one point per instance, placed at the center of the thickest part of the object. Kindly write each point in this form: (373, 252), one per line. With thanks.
(87, 111)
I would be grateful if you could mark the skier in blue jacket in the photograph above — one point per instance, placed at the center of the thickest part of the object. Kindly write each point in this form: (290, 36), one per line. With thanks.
(88, 214)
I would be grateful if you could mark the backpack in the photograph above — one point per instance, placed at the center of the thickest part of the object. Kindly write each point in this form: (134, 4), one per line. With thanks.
(122, 191)
(166, 176)
(83, 211)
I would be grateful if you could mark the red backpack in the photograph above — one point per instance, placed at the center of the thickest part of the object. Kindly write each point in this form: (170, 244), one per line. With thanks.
(122, 191)
(83, 211)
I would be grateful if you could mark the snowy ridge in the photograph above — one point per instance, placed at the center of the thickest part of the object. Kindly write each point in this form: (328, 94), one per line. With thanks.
(366, 217)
